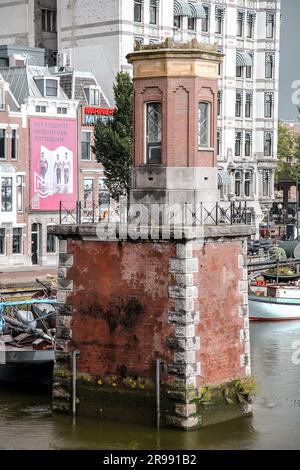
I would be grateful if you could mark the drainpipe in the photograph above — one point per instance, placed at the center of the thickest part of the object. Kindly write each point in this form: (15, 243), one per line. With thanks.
(74, 380)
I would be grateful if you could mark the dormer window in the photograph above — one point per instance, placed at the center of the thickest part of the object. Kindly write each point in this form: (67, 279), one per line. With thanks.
(48, 86)
(51, 87)
(93, 96)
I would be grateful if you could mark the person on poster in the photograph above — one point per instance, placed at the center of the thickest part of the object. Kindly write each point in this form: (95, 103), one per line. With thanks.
(58, 170)
(66, 170)
(43, 166)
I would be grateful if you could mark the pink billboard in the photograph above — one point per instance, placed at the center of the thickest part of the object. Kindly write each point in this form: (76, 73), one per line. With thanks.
(53, 144)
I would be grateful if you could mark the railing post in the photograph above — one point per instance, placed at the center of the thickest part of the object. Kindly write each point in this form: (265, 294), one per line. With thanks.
(60, 219)
(93, 213)
(78, 212)
(217, 209)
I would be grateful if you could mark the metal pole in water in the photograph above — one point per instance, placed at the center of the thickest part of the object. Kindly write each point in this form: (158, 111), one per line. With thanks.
(74, 380)
(158, 392)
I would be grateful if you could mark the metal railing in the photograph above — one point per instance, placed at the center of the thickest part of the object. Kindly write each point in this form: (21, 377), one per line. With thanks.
(230, 213)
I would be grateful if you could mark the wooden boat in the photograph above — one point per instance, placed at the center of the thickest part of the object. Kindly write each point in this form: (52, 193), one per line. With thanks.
(274, 302)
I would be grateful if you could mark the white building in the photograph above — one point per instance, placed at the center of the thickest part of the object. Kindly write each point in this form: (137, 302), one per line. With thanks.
(97, 35)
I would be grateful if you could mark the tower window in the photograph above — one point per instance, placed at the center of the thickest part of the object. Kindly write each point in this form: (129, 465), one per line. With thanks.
(153, 132)
(204, 125)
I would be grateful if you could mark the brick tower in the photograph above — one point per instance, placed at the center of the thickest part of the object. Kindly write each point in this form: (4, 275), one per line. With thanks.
(126, 302)
(175, 103)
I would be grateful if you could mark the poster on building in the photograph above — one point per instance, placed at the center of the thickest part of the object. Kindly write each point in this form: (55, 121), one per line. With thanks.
(53, 144)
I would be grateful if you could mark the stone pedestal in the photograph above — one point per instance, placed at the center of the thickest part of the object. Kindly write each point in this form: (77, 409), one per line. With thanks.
(124, 304)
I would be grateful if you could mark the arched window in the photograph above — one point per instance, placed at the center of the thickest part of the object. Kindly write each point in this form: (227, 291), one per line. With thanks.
(153, 132)
(204, 130)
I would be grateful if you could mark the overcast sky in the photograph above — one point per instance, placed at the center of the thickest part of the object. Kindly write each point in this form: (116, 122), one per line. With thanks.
(289, 57)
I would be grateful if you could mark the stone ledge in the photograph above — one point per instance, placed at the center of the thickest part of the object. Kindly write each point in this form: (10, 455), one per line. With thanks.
(89, 230)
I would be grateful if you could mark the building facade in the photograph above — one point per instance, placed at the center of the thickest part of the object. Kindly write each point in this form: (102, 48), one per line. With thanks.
(30, 23)
(98, 36)
(14, 181)
(46, 159)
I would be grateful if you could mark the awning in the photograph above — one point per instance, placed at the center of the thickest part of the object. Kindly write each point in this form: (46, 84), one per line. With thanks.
(223, 178)
(197, 10)
(182, 8)
(244, 59)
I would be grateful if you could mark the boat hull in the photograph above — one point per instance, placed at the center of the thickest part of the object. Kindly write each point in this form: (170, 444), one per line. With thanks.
(271, 309)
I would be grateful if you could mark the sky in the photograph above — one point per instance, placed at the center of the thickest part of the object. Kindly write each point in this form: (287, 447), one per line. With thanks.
(289, 58)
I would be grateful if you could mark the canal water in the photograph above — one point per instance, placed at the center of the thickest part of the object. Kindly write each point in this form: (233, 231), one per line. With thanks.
(26, 421)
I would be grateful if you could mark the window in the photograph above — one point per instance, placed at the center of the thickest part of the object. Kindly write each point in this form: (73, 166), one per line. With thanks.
(270, 25)
(40, 109)
(204, 125)
(269, 65)
(218, 21)
(249, 71)
(104, 197)
(239, 71)
(93, 96)
(1, 98)
(219, 142)
(219, 102)
(177, 22)
(238, 183)
(154, 132)
(51, 243)
(248, 140)
(51, 87)
(20, 193)
(6, 194)
(86, 145)
(240, 24)
(153, 12)
(14, 144)
(238, 144)
(49, 20)
(205, 21)
(17, 241)
(138, 11)
(250, 25)
(2, 241)
(238, 104)
(268, 144)
(220, 68)
(266, 183)
(248, 184)
(268, 105)
(62, 110)
(2, 144)
(248, 105)
(191, 24)
(88, 197)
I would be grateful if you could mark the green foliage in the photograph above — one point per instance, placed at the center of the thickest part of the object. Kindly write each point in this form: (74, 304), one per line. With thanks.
(113, 145)
(245, 390)
(285, 150)
(288, 148)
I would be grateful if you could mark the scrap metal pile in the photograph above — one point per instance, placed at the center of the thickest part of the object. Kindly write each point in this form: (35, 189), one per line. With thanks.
(30, 322)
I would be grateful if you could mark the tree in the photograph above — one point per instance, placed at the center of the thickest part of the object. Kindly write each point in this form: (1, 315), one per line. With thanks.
(285, 151)
(113, 146)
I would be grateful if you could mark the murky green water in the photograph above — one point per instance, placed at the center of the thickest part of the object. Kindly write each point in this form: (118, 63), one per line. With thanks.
(26, 421)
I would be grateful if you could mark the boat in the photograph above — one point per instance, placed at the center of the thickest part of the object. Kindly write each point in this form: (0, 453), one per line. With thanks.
(281, 277)
(27, 341)
(274, 302)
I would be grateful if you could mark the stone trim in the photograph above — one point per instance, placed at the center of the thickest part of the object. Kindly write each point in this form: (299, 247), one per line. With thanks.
(184, 343)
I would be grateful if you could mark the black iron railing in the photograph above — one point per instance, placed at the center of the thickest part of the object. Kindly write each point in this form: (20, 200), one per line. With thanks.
(231, 213)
